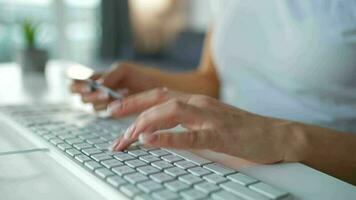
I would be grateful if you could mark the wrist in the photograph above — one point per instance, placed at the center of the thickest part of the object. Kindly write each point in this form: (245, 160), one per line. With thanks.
(295, 143)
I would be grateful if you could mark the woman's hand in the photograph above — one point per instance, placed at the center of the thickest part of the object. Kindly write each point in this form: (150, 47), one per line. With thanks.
(209, 124)
(126, 78)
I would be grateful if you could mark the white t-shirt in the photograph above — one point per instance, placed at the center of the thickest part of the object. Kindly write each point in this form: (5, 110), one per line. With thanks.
(291, 59)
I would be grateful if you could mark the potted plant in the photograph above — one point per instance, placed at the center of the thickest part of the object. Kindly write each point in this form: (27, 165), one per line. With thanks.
(31, 57)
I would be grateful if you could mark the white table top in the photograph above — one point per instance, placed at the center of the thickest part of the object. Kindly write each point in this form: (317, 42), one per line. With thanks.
(17, 87)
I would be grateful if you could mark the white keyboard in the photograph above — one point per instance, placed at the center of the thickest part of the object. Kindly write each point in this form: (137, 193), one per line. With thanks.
(139, 173)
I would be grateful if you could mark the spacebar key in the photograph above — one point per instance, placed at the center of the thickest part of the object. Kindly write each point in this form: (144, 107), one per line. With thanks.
(190, 156)
(242, 191)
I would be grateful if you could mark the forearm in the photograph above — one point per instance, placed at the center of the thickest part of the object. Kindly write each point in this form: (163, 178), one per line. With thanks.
(193, 82)
(196, 82)
(326, 150)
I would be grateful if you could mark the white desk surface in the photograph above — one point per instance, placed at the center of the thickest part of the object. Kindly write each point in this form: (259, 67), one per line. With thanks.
(49, 181)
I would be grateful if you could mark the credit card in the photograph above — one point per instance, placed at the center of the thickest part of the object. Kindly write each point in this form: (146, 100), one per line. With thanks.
(94, 85)
(83, 73)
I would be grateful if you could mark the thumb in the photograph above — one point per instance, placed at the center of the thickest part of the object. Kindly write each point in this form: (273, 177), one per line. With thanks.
(195, 139)
(111, 78)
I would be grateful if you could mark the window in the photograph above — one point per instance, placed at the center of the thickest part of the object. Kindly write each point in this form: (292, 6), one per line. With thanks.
(69, 29)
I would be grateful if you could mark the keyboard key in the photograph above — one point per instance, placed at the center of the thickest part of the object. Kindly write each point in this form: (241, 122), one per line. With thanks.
(268, 190)
(87, 136)
(225, 195)
(122, 170)
(102, 146)
(101, 157)
(82, 158)
(108, 137)
(66, 136)
(96, 141)
(165, 195)
(242, 191)
(130, 190)
(242, 179)
(50, 136)
(185, 164)
(193, 194)
(111, 163)
(135, 163)
(135, 178)
(171, 158)
(42, 132)
(73, 152)
(116, 181)
(176, 185)
(144, 197)
(149, 186)
(92, 165)
(137, 153)
(148, 170)
(81, 146)
(147, 148)
(56, 141)
(64, 147)
(161, 177)
(214, 178)
(91, 151)
(103, 172)
(207, 187)
(73, 141)
(190, 179)
(159, 152)
(190, 157)
(219, 169)
(149, 158)
(175, 171)
(123, 157)
(199, 171)
(161, 164)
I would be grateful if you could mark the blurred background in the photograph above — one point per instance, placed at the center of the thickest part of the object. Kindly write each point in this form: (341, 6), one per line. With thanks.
(163, 33)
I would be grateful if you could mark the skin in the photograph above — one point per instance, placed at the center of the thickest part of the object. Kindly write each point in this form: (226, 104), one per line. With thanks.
(211, 124)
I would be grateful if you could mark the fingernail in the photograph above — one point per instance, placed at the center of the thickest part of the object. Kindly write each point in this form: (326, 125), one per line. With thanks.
(113, 144)
(128, 132)
(103, 95)
(145, 138)
(114, 106)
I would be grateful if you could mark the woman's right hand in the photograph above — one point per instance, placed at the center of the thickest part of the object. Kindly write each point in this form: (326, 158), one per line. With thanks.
(127, 78)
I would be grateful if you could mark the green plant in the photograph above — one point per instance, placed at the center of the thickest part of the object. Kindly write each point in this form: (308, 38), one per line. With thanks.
(29, 30)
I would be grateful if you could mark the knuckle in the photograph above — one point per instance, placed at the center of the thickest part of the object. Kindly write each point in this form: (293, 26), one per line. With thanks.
(176, 105)
(143, 115)
(142, 118)
(122, 67)
(115, 66)
(138, 123)
(161, 92)
(201, 100)
(205, 101)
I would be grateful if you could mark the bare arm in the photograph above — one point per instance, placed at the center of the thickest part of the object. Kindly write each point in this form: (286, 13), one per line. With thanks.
(327, 150)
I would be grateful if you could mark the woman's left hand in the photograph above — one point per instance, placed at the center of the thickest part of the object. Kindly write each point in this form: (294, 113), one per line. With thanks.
(210, 124)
